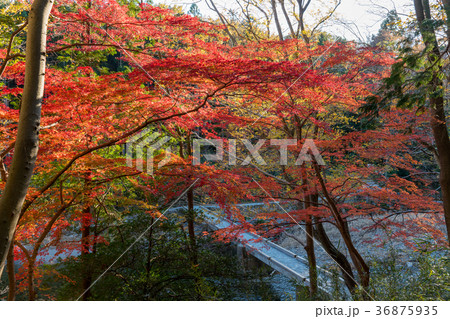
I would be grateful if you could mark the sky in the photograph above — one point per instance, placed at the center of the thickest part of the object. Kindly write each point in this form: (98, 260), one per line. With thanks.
(362, 17)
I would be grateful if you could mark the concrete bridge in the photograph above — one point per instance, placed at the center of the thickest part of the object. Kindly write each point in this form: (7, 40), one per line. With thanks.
(276, 257)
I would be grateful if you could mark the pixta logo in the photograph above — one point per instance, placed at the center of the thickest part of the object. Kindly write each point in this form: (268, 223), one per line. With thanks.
(147, 143)
(308, 152)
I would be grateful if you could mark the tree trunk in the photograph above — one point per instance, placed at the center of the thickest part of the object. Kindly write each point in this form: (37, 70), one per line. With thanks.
(11, 274)
(85, 252)
(30, 279)
(191, 228)
(31, 260)
(358, 261)
(438, 121)
(338, 257)
(311, 259)
(288, 20)
(26, 147)
(227, 30)
(309, 247)
(148, 265)
(301, 22)
(440, 134)
(191, 213)
(277, 21)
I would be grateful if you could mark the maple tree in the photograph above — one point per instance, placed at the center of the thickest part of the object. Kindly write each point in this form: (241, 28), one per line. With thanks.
(308, 101)
(115, 69)
(92, 126)
(315, 104)
(429, 207)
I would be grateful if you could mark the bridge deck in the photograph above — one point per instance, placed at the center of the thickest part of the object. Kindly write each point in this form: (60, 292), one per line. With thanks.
(273, 255)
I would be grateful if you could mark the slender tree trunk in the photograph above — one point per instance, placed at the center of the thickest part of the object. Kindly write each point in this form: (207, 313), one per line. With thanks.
(85, 252)
(148, 265)
(309, 247)
(288, 20)
(192, 239)
(227, 30)
(301, 22)
(311, 259)
(277, 21)
(31, 259)
(30, 278)
(438, 120)
(11, 274)
(358, 261)
(26, 147)
(441, 138)
(191, 214)
(191, 227)
(149, 249)
(338, 257)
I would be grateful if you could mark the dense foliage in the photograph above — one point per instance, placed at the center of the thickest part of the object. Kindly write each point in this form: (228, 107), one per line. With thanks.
(96, 228)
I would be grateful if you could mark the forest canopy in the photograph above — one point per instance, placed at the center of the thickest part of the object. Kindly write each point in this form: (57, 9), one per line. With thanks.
(143, 144)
